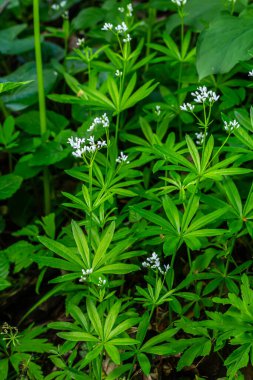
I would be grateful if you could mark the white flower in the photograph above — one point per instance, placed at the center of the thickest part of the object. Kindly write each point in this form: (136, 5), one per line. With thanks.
(63, 3)
(80, 42)
(80, 148)
(153, 262)
(101, 282)
(187, 107)
(250, 74)
(121, 9)
(121, 28)
(118, 73)
(107, 26)
(100, 120)
(85, 274)
(122, 158)
(229, 127)
(55, 7)
(200, 137)
(201, 95)
(127, 39)
(158, 110)
(129, 10)
(179, 2)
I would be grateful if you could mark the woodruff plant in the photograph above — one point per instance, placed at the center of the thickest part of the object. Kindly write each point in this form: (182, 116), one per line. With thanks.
(149, 268)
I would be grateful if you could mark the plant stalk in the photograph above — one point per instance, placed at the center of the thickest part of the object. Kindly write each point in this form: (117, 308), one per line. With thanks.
(41, 95)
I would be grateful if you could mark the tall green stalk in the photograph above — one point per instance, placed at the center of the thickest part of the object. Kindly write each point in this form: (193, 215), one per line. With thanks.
(41, 94)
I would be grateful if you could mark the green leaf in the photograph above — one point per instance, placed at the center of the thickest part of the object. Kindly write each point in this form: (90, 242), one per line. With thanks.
(94, 317)
(206, 219)
(117, 372)
(113, 352)
(4, 364)
(226, 42)
(233, 195)
(118, 268)
(76, 336)
(144, 363)
(9, 184)
(193, 152)
(171, 212)
(4, 284)
(81, 243)
(139, 95)
(111, 318)
(103, 245)
(8, 86)
(60, 249)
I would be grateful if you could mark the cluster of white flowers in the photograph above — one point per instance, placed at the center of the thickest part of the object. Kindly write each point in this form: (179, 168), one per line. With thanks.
(101, 282)
(127, 39)
(250, 74)
(153, 262)
(202, 95)
(180, 3)
(129, 10)
(158, 110)
(229, 127)
(107, 26)
(187, 107)
(80, 42)
(103, 120)
(61, 5)
(119, 29)
(118, 73)
(122, 158)
(200, 137)
(85, 274)
(83, 146)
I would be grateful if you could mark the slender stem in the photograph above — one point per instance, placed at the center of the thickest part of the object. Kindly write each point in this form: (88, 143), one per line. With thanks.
(218, 151)
(117, 130)
(151, 20)
(91, 206)
(41, 94)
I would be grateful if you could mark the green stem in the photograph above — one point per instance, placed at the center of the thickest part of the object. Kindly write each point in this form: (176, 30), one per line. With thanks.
(91, 206)
(151, 20)
(117, 130)
(218, 151)
(41, 94)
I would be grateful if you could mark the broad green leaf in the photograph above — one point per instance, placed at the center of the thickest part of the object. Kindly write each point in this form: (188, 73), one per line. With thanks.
(225, 43)
(4, 365)
(9, 184)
